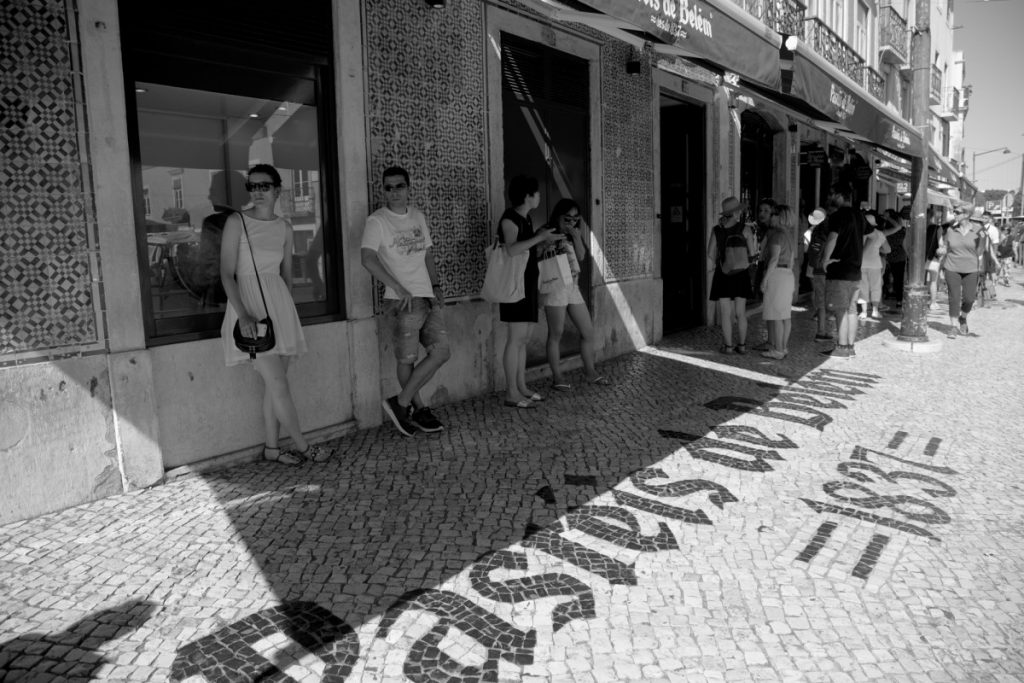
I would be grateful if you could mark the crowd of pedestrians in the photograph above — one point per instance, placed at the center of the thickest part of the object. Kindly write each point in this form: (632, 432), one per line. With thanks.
(855, 260)
(853, 257)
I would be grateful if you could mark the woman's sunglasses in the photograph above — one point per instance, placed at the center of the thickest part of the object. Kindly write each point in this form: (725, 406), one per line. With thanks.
(259, 187)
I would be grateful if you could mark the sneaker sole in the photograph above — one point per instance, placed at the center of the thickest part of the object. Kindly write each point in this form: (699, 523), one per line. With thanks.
(394, 419)
(429, 430)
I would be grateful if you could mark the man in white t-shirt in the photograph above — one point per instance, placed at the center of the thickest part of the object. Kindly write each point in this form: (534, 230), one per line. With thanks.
(396, 249)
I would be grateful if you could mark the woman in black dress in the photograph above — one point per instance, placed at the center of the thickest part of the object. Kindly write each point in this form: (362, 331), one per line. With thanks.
(515, 231)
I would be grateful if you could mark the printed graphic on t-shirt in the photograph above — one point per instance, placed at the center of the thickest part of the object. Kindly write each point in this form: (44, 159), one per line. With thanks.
(409, 242)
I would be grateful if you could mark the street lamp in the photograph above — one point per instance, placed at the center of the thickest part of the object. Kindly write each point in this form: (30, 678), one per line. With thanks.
(974, 162)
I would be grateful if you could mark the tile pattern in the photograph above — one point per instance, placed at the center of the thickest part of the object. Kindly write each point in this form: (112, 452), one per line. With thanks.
(427, 113)
(628, 140)
(47, 295)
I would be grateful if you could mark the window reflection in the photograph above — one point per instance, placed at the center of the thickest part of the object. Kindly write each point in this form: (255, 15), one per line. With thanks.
(195, 147)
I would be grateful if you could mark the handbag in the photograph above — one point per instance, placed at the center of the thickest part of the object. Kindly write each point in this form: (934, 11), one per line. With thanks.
(554, 274)
(503, 281)
(262, 342)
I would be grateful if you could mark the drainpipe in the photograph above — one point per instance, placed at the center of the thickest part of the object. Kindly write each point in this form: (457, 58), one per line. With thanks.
(914, 326)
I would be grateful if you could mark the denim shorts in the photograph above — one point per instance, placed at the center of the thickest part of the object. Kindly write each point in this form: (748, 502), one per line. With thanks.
(424, 324)
(841, 296)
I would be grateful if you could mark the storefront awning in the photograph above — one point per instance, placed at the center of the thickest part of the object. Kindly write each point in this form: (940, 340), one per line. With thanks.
(710, 32)
(839, 98)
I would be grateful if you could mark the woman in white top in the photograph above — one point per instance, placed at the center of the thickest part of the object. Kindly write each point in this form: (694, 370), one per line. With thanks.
(779, 282)
(256, 267)
(875, 245)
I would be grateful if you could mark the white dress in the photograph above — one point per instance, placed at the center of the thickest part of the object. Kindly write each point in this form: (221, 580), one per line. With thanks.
(267, 238)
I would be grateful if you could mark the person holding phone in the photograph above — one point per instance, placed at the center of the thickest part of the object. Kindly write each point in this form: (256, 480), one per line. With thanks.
(255, 255)
(566, 220)
(397, 250)
(515, 231)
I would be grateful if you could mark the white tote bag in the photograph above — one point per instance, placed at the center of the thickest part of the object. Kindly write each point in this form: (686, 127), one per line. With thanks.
(503, 282)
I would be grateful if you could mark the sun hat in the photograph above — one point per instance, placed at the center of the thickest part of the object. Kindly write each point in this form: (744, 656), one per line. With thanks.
(816, 217)
(731, 206)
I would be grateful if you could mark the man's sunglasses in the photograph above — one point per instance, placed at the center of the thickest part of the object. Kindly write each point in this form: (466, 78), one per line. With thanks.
(259, 187)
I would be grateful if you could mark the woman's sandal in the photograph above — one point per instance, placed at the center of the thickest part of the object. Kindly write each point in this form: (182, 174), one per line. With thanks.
(275, 454)
(741, 349)
(727, 349)
(600, 380)
(535, 397)
(561, 386)
(316, 453)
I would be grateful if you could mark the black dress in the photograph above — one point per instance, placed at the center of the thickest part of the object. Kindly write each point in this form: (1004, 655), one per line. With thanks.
(735, 286)
(524, 310)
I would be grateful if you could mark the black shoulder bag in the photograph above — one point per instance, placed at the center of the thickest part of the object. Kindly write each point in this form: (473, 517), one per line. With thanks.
(266, 341)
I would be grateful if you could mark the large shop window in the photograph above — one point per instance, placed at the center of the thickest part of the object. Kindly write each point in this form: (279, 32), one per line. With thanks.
(203, 108)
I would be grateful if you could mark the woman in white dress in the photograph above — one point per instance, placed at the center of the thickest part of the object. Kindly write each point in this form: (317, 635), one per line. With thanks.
(256, 250)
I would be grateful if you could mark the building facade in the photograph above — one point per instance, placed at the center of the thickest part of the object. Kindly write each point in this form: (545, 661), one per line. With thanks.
(127, 129)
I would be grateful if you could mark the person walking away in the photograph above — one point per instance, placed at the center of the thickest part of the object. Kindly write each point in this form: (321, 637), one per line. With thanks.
(566, 220)
(779, 282)
(842, 258)
(256, 272)
(397, 250)
(875, 245)
(729, 251)
(990, 257)
(965, 242)
(816, 271)
(515, 231)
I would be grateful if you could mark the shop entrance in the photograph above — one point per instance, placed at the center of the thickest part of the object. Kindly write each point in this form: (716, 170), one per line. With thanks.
(546, 113)
(757, 156)
(682, 214)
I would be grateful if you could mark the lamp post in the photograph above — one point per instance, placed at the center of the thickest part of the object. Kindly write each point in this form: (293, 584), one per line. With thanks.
(974, 163)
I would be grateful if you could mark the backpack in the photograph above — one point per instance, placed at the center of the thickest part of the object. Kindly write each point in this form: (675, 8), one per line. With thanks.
(734, 257)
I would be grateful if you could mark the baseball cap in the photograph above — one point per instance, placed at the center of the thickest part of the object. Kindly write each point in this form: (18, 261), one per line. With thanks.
(816, 217)
(731, 206)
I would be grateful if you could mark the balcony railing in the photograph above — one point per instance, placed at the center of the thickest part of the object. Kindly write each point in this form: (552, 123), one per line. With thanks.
(874, 83)
(834, 49)
(785, 16)
(936, 90)
(893, 33)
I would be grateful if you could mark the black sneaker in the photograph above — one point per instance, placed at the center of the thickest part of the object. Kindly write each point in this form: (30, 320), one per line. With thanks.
(399, 415)
(425, 420)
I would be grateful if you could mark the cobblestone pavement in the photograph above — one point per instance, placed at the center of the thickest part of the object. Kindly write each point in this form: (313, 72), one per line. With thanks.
(707, 517)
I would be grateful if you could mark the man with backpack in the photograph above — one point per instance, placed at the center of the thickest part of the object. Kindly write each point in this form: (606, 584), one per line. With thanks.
(729, 254)
(841, 257)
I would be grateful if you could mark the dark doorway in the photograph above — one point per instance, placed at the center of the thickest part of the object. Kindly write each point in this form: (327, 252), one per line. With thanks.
(682, 214)
(757, 158)
(546, 109)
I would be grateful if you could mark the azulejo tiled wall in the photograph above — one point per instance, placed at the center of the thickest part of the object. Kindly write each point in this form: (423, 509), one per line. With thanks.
(628, 149)
(426, 87)
(47, 293)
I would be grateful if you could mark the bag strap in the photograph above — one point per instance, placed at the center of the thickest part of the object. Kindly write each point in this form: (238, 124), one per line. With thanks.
(255, 267)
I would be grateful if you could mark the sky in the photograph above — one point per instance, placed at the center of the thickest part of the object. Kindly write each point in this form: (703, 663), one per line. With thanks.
(992, 39)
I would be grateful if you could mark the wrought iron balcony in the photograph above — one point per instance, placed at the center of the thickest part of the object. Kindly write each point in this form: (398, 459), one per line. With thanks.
(936, 89)
(834, 49)
(874, 83)
(893, 36)
(785, 16)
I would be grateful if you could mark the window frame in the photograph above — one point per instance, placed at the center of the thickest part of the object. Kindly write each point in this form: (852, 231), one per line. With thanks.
(207, 74)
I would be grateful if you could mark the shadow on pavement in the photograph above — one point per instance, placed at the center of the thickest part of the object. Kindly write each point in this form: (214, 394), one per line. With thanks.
(74, 653)
(376, 533)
